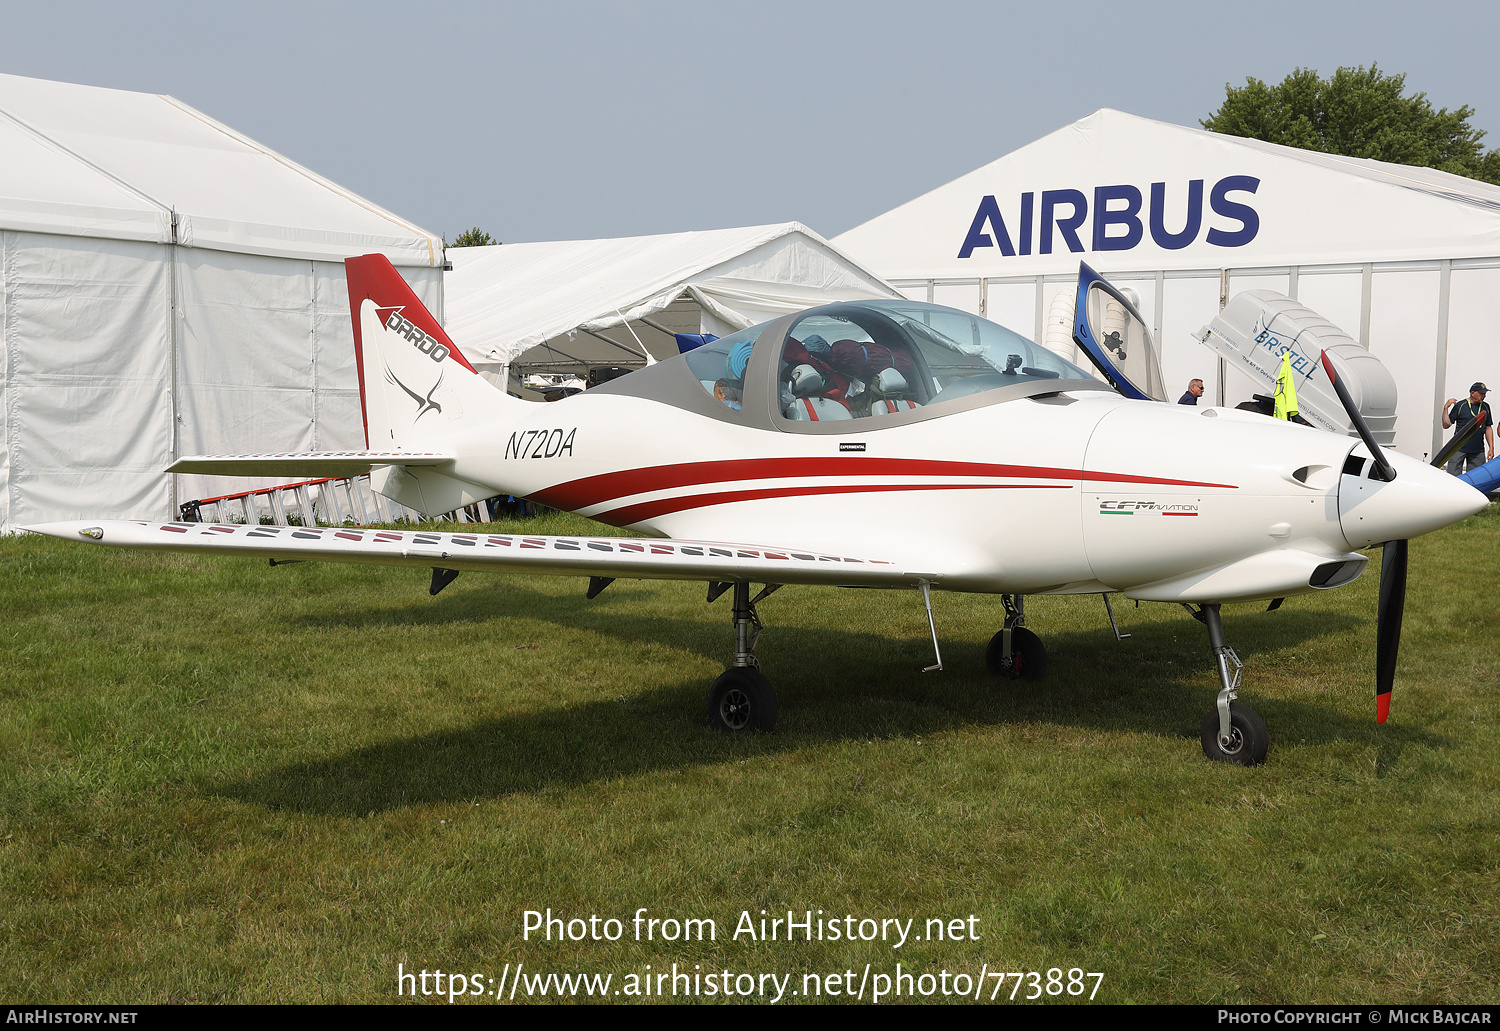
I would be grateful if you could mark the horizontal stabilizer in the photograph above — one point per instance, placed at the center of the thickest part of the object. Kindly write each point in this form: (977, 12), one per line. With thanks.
(640, 558)
(336, 464)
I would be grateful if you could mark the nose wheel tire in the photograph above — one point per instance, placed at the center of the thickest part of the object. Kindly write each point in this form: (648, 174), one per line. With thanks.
(1248, 739)
(742, 701)
(1028, 656)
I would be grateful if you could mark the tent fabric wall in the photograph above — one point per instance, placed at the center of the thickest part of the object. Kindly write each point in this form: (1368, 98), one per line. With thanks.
(1473, 336)
(1393, 255)
(1259, 205)
(47, 190)
(568, 305)
(87, 376)
(295, 388)
(169, 287)
(229, 192)
(796, 270)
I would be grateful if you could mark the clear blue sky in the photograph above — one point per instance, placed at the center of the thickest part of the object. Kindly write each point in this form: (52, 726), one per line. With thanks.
(562, 120)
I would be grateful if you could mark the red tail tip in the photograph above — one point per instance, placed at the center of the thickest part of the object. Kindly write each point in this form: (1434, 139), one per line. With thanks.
(1382, 707)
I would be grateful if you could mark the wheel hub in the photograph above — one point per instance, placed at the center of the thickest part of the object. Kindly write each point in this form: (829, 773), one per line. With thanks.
(1233, 743)
(734, 710)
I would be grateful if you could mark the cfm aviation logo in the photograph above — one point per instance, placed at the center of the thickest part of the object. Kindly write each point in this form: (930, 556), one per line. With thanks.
(1133, 507)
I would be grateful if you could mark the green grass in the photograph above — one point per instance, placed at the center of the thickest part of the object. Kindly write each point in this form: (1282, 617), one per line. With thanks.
(224, 781)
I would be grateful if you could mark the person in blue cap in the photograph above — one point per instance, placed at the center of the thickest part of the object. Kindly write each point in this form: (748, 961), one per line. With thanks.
(1457, 415)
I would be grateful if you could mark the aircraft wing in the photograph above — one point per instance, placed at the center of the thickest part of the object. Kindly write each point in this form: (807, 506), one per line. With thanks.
(312, 464)
(640, 558)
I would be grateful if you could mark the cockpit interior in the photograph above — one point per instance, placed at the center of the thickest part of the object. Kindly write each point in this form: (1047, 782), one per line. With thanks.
(867, 360)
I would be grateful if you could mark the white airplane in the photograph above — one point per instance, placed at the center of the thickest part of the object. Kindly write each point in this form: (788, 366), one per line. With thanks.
(889, 444)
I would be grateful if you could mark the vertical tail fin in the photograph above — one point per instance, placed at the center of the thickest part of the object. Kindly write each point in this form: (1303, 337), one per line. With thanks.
(416, 390)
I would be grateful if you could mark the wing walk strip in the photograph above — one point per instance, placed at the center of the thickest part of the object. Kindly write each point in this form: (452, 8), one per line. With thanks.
(602, 491)
(607, 556)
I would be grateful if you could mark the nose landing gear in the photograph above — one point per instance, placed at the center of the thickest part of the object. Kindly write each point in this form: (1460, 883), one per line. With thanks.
(1246, 741)
(1231, 732)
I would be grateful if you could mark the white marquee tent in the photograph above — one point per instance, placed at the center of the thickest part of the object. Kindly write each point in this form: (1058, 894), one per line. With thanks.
(167, 287)
(1406, 260)
(567, 306)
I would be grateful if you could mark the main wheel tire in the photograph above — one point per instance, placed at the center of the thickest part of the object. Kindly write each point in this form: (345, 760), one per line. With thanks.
(1028, 656)
(1248, 738)
(742, 701)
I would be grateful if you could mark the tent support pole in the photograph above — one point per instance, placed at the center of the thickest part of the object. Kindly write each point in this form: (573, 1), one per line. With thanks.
(553, 350)
(172, 350)
(1223, 303)
(1041, 313)
(312, 269)
(1366, 277)
(1161, 305)
(658, 327)
(1445, 285)
(600, 336)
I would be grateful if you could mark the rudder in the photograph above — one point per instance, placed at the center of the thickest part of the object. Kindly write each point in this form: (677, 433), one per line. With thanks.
(416, 389)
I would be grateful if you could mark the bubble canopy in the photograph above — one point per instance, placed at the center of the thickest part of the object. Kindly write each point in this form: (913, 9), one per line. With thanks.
(876, 363)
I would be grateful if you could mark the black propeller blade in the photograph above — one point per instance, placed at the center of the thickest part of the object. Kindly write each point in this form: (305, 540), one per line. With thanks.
(1459, 439)
(1387, 472)
(1388, 622)
(1393, 556)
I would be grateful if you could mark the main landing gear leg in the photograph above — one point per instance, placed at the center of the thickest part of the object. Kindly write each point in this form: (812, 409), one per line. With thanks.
(1231, 732)
(742, 699)
(1015, 653)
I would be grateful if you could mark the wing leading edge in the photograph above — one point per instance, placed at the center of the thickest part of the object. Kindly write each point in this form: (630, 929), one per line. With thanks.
(643, 558)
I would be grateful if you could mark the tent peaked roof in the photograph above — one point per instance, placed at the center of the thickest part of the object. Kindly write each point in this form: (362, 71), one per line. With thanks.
(502, 300)
(1304, 207)
(1432, 181)
(88, 161)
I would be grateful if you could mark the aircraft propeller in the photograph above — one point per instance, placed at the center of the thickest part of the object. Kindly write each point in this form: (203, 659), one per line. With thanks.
(1393, 558)
(1459, 439)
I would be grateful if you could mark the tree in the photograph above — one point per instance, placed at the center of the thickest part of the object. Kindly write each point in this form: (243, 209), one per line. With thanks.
(1358, 112)
(475, 237)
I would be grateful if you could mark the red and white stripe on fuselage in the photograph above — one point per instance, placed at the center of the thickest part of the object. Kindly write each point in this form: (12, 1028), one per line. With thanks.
(638, 496)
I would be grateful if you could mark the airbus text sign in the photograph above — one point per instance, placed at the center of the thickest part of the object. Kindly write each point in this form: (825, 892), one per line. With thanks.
(1117, 223)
